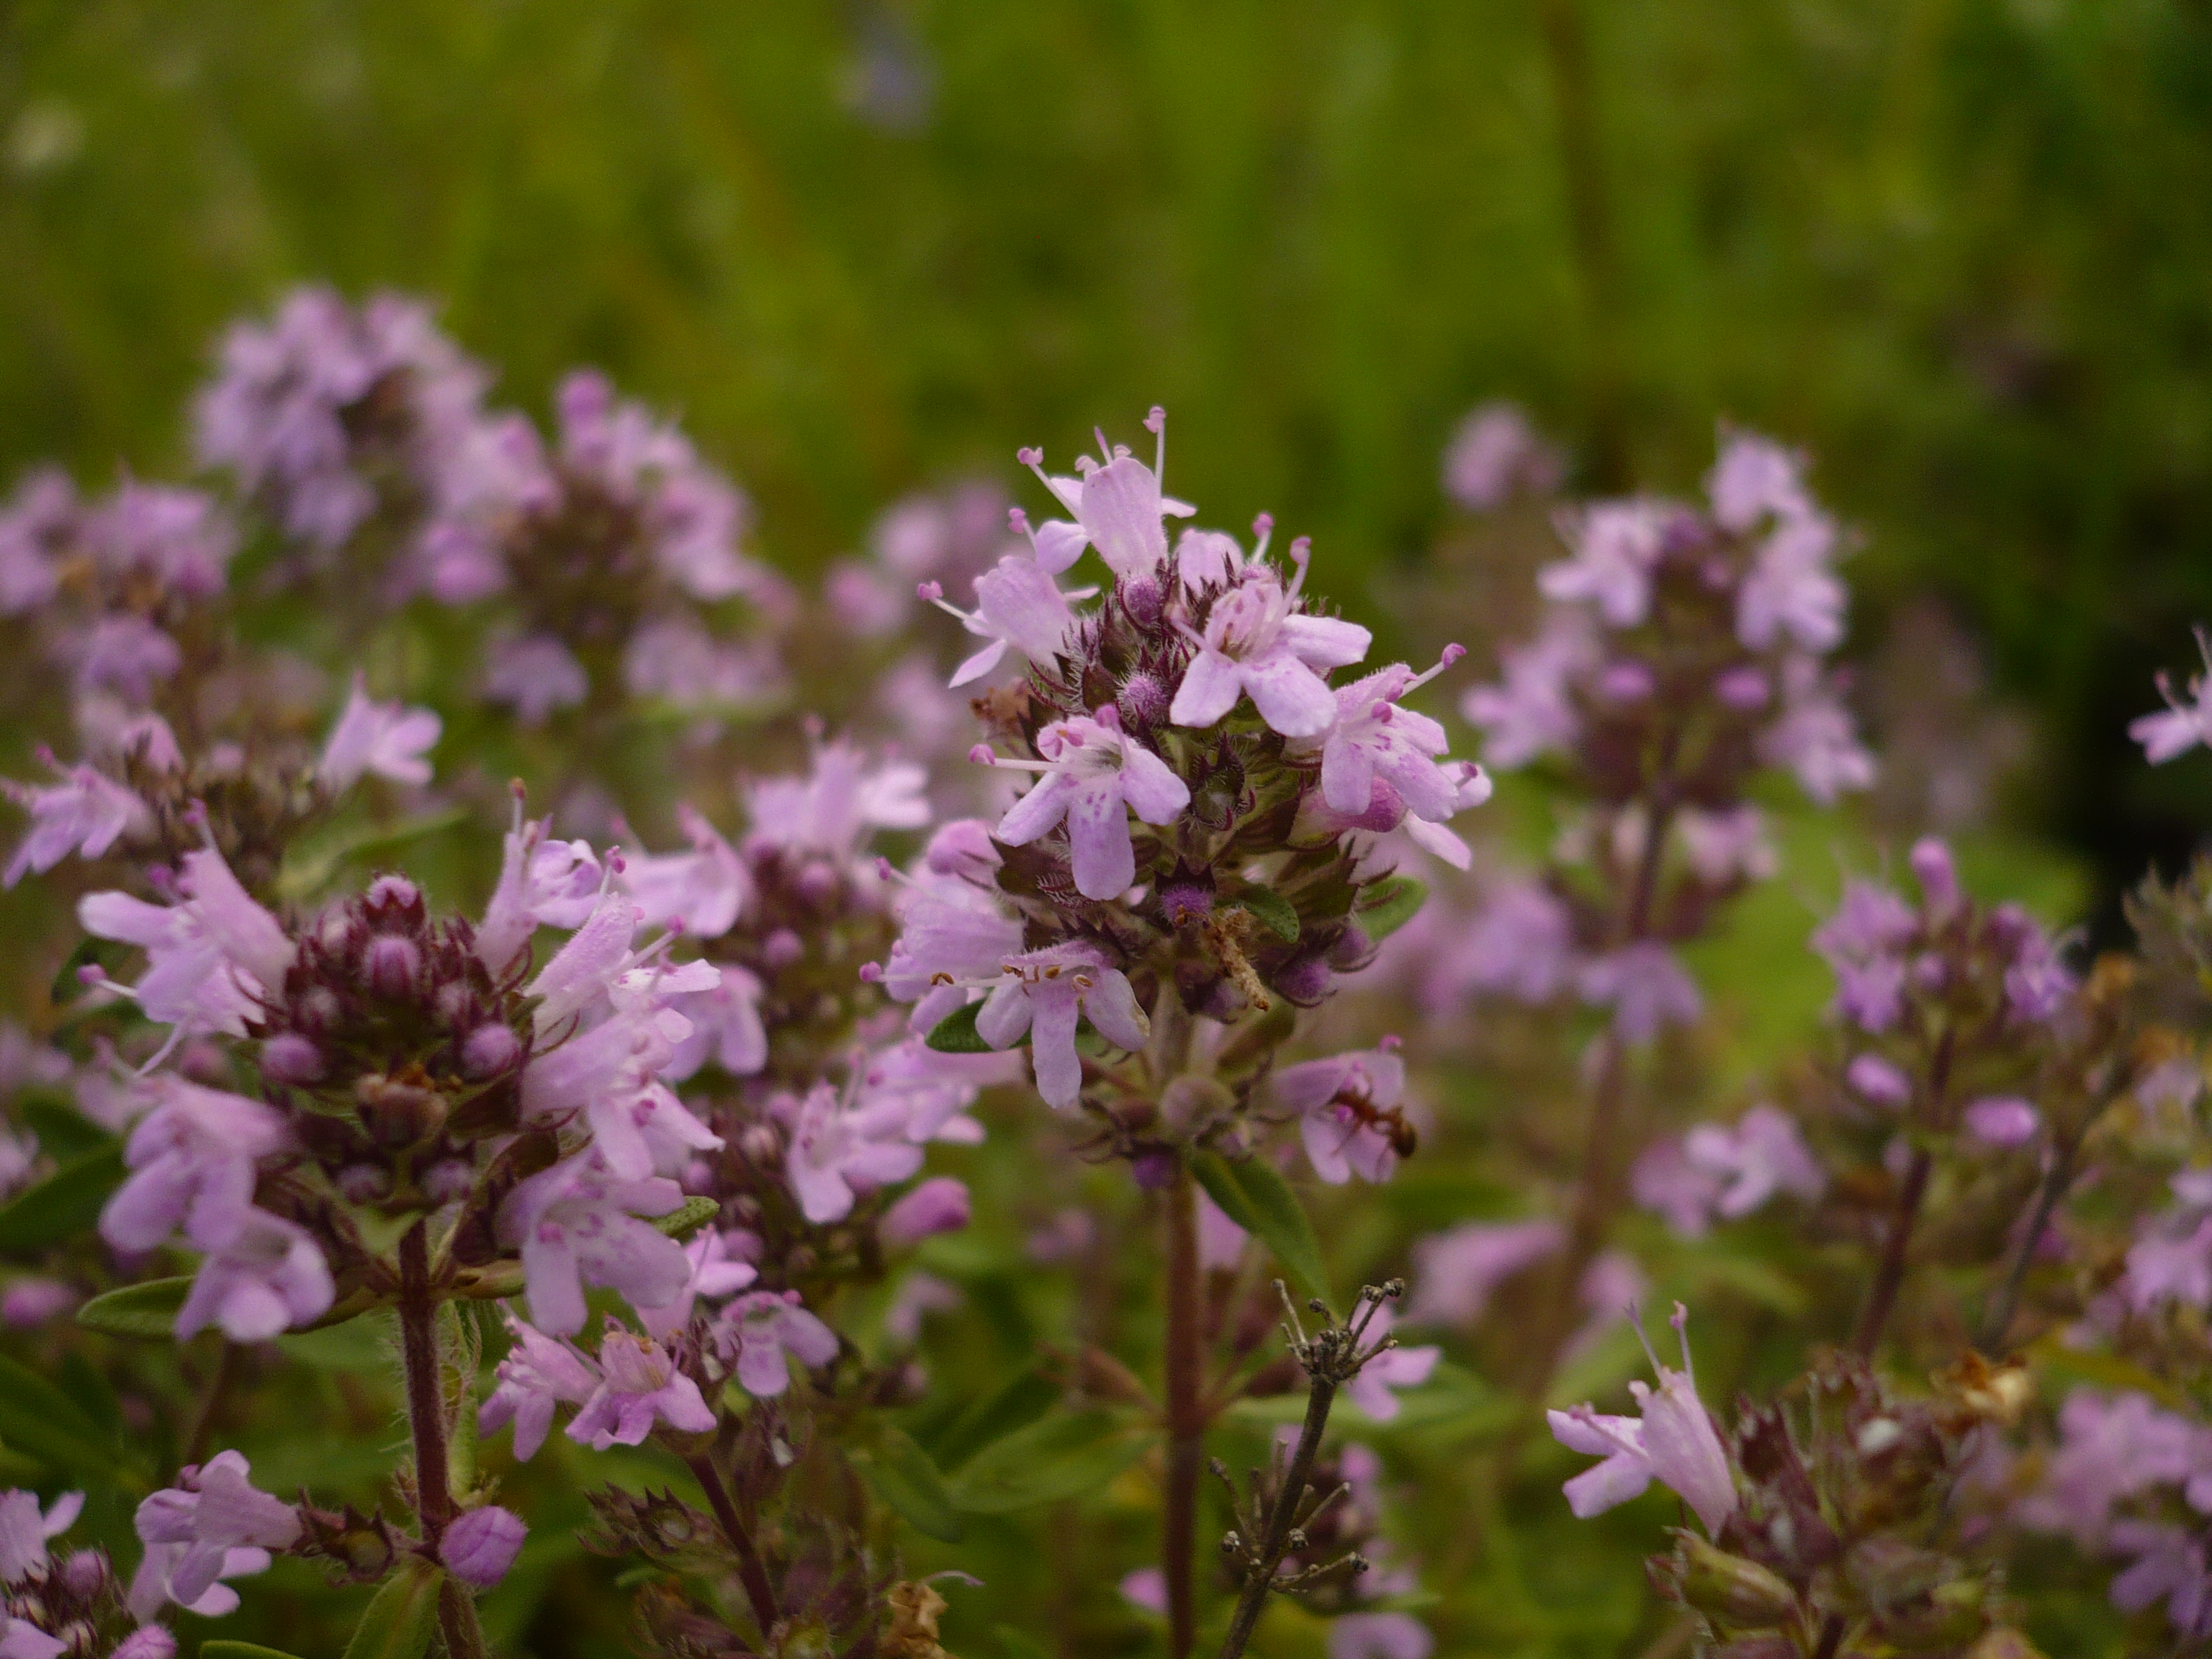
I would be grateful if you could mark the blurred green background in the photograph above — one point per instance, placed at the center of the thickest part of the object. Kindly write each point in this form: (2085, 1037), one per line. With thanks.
(1956, 247)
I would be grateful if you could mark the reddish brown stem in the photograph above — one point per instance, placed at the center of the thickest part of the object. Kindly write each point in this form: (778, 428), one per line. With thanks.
(426, 1405)
(1185, 1414)
(751, 1570)
(1890, 1276)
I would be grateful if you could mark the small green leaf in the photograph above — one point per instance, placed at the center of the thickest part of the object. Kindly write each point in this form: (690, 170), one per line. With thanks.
(956, 1034)
(1386, 906)
(1013, 1644)
(379, 1233)
(402, 1617)
(39, 1420)
(1047, 1462)
(65, 1205)
(1016, 1404)
(1258, 1200)
(1273, 911)
(359, 1345)
(239, 1651)
(693, 1212)
(147, 1309)
(900, 1472)
(317, 862)
(64, 1133)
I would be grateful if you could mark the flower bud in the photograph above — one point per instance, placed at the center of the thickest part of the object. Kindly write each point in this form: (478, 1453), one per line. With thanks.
(489, 1050)
(938, 1205)
(481, 1545)
(83, 1573)
(1744, 690)
(818, 882)
(1142, 597)
(2002, 1120)
(390, 893)
(448, 1181)
(1937, 875)
(1734, 1592)
(363, 1183)
(391, 965)
(1185, 901)
(1625, 682)
(398, 1115)
(1143, 702)
(1154, 1171)
(30, 1302)
(782, 948)
(1877, 1080)
(288, 1057)
(1304, 980)
(1187, 1101)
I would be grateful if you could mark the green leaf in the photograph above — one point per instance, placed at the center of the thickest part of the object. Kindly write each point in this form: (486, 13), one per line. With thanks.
(1016, 1404)
(65, 1205)
(900, 1472)
(147, 1309)
(359, 1345)
(64, 1133)
(1051, 1461)
(956, 1034)
(39, 1420)
(1386, 906)
(1272, 910)
(316, 863)
(239, 1651)
(1258, 1200)
(403, 1616)
(694, 1213)
(1013, 1644)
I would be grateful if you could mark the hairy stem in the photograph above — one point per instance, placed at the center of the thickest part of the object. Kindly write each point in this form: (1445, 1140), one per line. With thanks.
(456, 1620)
(1253, 1600)
(426, 1406)
(1890, 1276)
(1997, 1322)
(750, 1569)
(1186, 1412)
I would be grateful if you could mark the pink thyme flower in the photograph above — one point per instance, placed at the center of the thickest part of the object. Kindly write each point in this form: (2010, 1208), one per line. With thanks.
(211, 959)
(1726, 1171)
(954, 933)
(86, 813)
(936, 1206)
(194, 1161)
(549, 883)
(25, 1528)
(1456, 1272)
(1117, 505)
(725, 1027)
(919, 1296)
(386, 739)
(829, 812)
(198, 1524)
(36, 523)
(1094, 776)
(1375, 745)
(639, 1386)
(539, 1373)
(1674, 1441)
(1258, 642)
(1790, 592)
(754, 1333)
(1646, 987)
(535, 675)
(840, 1147)
(1018, 605)
(1348, 1106)
(2000, 1120)
(2170, 1566)
(719, 1269)
(267, 1277)
(1045, 993)
(703, 891)
(1815, 738)
(2185, 722)
(1755, 479)
(1616, 545)
(1494, 453)
(577, 1222)
(1531, 711)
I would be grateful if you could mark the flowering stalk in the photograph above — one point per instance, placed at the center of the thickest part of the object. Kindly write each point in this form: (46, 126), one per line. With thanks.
(1186, 1408)
(758, 1591)
(418, 1311)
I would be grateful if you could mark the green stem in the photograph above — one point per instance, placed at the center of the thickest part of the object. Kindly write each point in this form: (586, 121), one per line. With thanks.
(1186, 1412)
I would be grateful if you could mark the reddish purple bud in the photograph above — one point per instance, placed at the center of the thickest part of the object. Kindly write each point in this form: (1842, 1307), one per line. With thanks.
(2002, 1120)
(30, 1302)
(1142, 598)
(1878, 1080)
(1305, 981)
(1143, 702)
(448, 1182)
(489, 1050)
(83, 1573)
(782, 948)
(363, 1183)
(938, 1205)
(1625, 682)
(1185, 901)
(1938, 877)
(392, 893)
(1744, 690)
(391, 965)
(481, 1545)
(290, 1058)
(1153, 1171)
